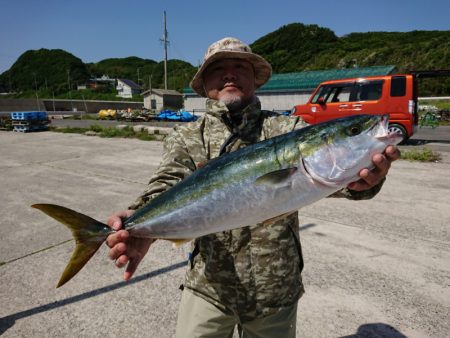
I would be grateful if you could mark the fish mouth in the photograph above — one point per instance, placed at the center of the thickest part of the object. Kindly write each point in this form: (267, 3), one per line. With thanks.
(385, 120)
(381, 131)
(336, 176)
(391, 138)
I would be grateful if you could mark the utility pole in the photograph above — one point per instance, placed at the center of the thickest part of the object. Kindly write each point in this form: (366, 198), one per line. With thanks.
(70, 91)
(68, 79)
(10, 84)
(36, 92)
(166, 42)
(150, 89)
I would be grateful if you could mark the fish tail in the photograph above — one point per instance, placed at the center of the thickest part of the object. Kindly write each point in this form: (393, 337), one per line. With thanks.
(88, 233)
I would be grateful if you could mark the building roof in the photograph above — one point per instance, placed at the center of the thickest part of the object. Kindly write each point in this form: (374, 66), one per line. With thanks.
(130, 83)
(309, 80)
(161, 92)
(103, 78)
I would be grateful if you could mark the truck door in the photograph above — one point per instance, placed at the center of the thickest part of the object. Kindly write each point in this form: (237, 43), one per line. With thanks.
(332, 101)
(367, 97)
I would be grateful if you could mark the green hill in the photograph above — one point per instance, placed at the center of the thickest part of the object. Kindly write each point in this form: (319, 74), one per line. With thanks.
(127, 68)
(50, 71)
(145, 72)
(309, 47)
(53, 69)
(298, 47)
(291, 48)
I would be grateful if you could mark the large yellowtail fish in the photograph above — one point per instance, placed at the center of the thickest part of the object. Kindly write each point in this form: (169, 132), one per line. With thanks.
(254, 184)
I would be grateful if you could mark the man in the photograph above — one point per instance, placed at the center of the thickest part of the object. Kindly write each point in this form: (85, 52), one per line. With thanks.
(251, 276)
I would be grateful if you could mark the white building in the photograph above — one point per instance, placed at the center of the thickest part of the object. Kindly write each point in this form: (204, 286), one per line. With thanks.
(127, 88)
(159, 99)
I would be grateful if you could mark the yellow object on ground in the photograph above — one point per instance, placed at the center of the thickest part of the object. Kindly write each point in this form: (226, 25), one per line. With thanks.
(107, 114)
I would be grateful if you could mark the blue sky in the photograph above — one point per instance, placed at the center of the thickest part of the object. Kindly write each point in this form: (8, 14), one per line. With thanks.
(98, 29)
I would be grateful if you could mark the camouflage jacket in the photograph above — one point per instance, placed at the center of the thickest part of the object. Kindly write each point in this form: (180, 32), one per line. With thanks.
(251, 271)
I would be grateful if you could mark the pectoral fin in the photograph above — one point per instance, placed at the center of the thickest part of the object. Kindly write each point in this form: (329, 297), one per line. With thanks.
(176, 243)
(276, 177)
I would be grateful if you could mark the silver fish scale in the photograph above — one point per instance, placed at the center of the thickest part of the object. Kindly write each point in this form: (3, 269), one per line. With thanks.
(250, 203)
(225, 194)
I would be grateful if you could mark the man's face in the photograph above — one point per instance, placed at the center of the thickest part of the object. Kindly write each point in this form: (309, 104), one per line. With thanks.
(231, 81)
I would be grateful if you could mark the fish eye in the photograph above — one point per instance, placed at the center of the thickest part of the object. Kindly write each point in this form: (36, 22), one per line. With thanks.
(353, 130)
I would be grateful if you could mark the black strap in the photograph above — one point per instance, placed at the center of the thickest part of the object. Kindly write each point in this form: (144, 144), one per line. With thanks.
(228, 141)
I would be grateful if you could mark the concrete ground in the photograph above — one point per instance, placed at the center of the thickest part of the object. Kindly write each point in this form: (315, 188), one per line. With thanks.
(376, 268)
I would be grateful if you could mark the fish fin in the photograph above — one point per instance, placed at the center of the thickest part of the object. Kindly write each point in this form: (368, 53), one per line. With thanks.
(276, 177)
(275, 219)
(88, 233)
(176, 243)
(201, 164)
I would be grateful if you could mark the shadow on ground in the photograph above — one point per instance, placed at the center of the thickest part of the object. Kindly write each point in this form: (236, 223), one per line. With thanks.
(420, 142)
(8, 321)
(376, 330)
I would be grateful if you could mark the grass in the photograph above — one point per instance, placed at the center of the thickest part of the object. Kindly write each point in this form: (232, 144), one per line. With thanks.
(85, 117)
(443, 107)
(422, 155)
(440, 104)
(108, 132)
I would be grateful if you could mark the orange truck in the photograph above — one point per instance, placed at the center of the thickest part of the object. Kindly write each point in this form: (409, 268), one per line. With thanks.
(392, 94)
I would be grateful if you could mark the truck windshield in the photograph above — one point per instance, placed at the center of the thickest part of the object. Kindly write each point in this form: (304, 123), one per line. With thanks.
(322, 92)
(333, 93)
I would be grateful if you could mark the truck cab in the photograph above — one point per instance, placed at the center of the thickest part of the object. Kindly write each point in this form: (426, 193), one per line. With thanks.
(395, 95)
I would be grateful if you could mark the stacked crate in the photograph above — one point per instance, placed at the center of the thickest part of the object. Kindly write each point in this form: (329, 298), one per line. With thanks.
(26, 121)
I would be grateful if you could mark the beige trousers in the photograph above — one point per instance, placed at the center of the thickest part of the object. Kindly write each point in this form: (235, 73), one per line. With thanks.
(199, 318)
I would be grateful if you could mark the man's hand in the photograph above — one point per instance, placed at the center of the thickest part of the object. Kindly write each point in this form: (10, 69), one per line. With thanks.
(382, 162)
(124, 249)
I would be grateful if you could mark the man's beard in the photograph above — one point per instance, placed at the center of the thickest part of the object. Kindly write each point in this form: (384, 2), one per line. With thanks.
(233, 102)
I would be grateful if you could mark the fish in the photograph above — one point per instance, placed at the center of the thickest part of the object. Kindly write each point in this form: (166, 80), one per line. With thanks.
(253, 185)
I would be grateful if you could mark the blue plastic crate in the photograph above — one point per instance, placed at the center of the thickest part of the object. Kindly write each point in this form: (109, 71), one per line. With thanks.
(21, 128)
(28, 128)
(29, 115)
(22, 115)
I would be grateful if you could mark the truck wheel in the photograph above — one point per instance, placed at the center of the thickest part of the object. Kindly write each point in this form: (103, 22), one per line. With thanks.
(400, 130)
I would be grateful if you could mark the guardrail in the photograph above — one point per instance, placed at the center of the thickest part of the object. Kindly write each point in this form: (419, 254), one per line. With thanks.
(434, 98)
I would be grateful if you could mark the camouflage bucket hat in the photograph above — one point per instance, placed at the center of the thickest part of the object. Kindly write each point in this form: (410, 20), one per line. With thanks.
(231, 48)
